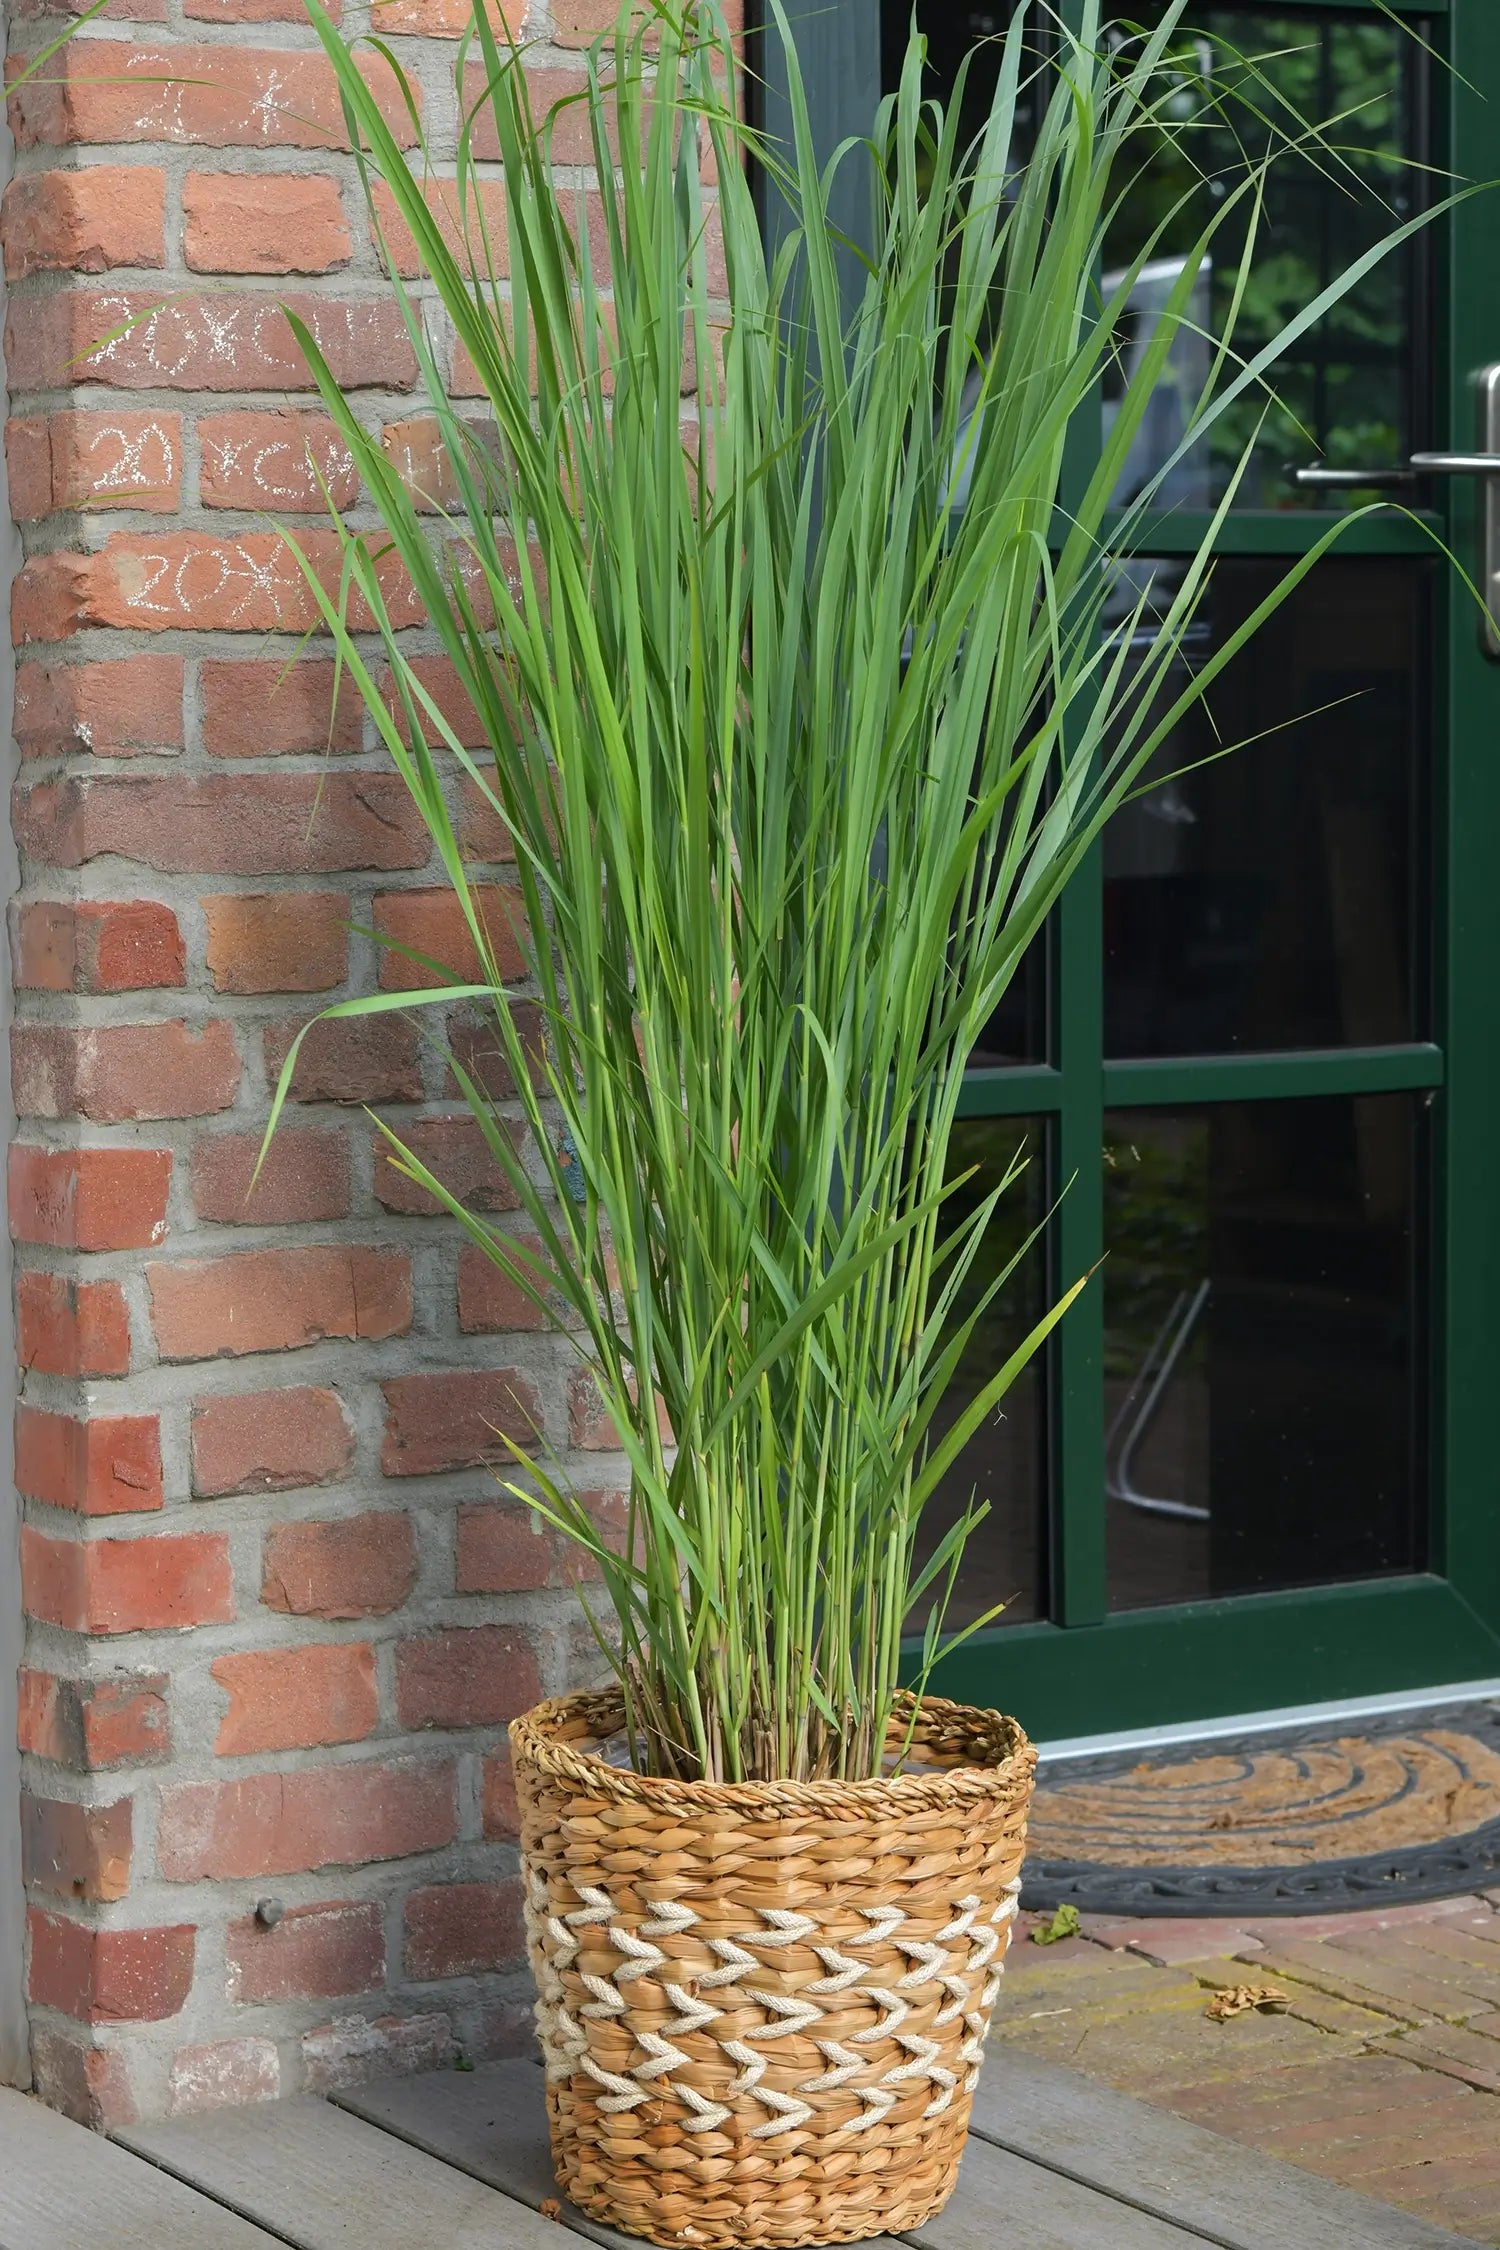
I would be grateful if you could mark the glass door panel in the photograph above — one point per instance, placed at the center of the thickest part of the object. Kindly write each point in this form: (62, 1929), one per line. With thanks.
(1242, 86)
(1264, 1371)
(1004, 1466)
(1276, 897)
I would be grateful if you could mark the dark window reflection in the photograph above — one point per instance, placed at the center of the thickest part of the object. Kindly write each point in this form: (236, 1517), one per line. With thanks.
(1004, 1463)
(1351, 393)
(1272, 898)
(1263, 1373)
(1016, 1031)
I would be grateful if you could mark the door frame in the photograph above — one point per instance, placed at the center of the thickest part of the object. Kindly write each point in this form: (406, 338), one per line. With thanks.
(1084, 1669)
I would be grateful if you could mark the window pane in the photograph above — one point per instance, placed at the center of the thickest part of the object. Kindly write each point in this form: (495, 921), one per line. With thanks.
(1351, 392)
(1005, 1462)
(1263, 1371)
(1272, 898)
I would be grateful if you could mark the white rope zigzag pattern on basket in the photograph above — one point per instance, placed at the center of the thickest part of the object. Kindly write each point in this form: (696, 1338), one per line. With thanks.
(556, 1946)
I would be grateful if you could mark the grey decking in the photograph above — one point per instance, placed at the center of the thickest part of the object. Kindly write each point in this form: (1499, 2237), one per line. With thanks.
(64, 2189)
(458, 2160)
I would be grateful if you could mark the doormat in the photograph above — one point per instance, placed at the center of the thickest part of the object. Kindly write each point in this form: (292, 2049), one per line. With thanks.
(1407, 1808)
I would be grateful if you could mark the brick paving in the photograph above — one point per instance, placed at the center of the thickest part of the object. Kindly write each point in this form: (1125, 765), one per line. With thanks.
(1382, 2072)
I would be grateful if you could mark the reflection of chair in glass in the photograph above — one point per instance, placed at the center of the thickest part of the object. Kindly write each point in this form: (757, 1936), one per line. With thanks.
(1142, 1403)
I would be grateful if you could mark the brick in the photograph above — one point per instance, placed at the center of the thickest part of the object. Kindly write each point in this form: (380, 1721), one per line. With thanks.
(160, 1584)
(322, 1952)
(259, 708)
(296, 1698)
(501, 1813)
(1368, 1982)
(76, 1851)
(446, 19)
(438, 678)
(462, 1930)
(89, 1198)
(477, 221)
(285, 824)
(505, 1548)
(421, 460)
(225, 2073)
(467, 1676)
(456, 1421)
(292, 1823)
(109, 1976)
(353, 2050)
(124, 1721)
(263, 222)
(278, 1300)
(433, 924)
(88, 2083)
(109, 1465)
(116, 1073)
(158, 582)
(232, 96)
(269, 1441)
(455, 1151)
(352, 1566)
(477, 1049)
(219, 341)
(305, 1177)
(85, 221)
(353, 1059)
(94, 1725)
(41, 1720)
(489, 1303)
(99, 945)
(72, 1328)
(278, 941)
(483, 837)
(113, 707)
(558, 99)
(93, 461)
(302, 1175)
(250, 11)
(265, 460)
(1172, 1941)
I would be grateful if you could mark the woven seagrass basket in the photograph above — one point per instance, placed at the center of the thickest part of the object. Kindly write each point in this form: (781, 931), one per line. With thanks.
(762, 2006)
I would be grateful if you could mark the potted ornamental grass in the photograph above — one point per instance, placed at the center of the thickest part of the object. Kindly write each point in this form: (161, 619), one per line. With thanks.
(801, 703)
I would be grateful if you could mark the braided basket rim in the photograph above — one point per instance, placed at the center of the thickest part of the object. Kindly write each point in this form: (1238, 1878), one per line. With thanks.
(547, 1740)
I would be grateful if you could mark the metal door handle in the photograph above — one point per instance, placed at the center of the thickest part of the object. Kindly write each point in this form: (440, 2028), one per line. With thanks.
(1349, 480)
(1457, 464)
(1484, 464)
(1323, 479)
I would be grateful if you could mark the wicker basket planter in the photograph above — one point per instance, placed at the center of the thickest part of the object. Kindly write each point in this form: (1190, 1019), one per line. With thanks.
(762, 2006)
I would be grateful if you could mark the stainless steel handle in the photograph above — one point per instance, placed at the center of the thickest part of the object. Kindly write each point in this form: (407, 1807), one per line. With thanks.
(1321, 479)
(1351, 480)
(1483, 463)
(1457, 464)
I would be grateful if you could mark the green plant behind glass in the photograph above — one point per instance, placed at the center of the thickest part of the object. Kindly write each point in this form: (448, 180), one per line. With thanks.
(796, 755)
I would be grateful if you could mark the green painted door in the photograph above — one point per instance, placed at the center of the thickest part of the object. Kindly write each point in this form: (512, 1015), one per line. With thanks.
(1256, 1065)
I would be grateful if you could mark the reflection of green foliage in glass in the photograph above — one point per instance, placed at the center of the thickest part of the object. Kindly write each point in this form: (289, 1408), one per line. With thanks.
(1155, 1226)
(1240, 85)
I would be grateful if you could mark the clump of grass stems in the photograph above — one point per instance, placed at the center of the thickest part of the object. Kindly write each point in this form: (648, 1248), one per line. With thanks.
(796, 756)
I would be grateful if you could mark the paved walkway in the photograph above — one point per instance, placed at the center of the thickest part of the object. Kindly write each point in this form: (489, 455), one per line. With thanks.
(1381, 2072)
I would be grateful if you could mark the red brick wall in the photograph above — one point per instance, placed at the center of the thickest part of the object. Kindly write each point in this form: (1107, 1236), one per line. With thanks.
(278, 1612)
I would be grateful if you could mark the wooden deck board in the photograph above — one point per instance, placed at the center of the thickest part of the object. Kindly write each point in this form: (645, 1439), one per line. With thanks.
(62, 2188)
(1231, 2195)
(325, 2180)
(492, 2123)
(459, 2159)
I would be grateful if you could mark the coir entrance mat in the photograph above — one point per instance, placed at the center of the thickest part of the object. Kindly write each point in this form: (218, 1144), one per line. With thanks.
(1407, 1808)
